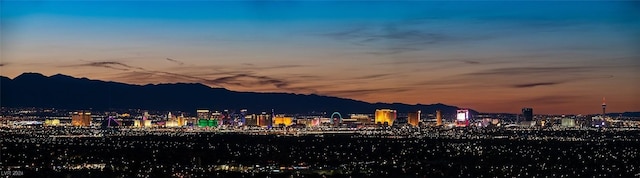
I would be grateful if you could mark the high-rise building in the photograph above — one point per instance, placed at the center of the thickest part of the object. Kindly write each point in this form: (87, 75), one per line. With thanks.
(207, 119)
(181, 120)
(438, 118)
(462, 118)
(361, 118)
(413, 118)
(527, 113)
(176, 121)
(145, 120)
(385, 116)
(242, 119)
(264, 120)
(203, 114)
(81, 119)
(309, 122)
(251, 120)
(286, 121)
(218, 116)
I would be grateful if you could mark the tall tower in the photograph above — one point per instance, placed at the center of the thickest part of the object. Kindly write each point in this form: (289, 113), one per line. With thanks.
(438, 118)
(604, 107)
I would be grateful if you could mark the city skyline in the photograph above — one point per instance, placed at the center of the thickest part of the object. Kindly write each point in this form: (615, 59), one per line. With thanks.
(555, 57)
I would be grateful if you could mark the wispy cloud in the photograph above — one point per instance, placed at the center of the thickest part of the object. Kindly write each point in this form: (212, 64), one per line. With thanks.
(529, 85)
(533, 70)
(373, 76)
(105, 64)
(247, 80)
(175, 61)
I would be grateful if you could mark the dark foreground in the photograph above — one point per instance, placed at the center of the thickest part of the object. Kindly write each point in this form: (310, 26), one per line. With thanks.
(337, 155)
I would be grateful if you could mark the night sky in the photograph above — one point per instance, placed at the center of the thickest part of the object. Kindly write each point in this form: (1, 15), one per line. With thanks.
(493, 56)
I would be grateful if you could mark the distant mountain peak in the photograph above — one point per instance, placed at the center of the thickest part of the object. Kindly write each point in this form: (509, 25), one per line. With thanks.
(62, 76)
(30, 75)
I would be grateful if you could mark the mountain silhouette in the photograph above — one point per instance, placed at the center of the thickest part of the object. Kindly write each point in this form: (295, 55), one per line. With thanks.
(66, 92)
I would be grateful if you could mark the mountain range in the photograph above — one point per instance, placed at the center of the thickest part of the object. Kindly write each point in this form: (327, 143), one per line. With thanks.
(66, 92)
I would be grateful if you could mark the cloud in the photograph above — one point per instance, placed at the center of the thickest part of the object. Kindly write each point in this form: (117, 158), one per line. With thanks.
(533, 70)
(470, 62)
(106, 64)
(227, 77)
(529, 85)
(247, 80)
(175, 61)
(454, 62)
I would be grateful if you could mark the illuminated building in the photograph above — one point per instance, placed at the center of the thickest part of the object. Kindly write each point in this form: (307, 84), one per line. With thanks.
(568, 122)
(286, 121)
(207, 123)
(52, 122)
(462, 118)
(218, 117)
(361, 118)
(527, 113)
(171, 124)
(413, 118)
(264, 120)
(225, 118)
(145, 120)
(142, 123)
(208, 119)
(173, 121)
(438, 118)
(182, 121)
(385, 116)
(325, 120)
(309, 122)
(81, 119)
(243, 114)
(203, 114)
(251, 120)
(110, 121)
(176, 121)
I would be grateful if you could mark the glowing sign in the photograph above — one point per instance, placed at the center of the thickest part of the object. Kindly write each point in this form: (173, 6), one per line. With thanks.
(463, 115)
